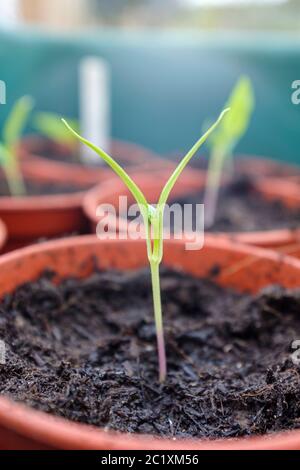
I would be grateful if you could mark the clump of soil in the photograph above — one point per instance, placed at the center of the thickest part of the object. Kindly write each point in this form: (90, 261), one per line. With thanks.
(86, 350)
(241, 208)
(36, 188)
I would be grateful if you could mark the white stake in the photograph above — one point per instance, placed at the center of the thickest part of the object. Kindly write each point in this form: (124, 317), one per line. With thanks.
(10, 12)
(94, 78)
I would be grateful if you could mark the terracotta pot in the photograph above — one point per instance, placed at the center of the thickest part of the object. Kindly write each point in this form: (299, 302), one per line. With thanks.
(261, 167)
(24, 428)
(271, 188)
(3, 235)
(128, 154)
(31, 217)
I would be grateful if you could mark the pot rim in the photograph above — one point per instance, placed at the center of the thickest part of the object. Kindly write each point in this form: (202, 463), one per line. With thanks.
(3, 234)
(44, 201)
(57, 201)
(48, 429)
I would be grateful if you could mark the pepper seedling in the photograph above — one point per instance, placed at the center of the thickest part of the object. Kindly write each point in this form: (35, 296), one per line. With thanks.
(223, 142)
(11, 134)
(153, 222)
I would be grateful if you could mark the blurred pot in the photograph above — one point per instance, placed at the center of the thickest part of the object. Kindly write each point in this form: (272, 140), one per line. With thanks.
(29, 218)
(110, 193)
(252, 166)
(127, 154)
(194, 180)
(24, 428)
(261, 167)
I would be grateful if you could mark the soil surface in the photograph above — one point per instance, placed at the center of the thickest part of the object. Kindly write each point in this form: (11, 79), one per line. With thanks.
(241, 208)
(86, 350)
(35, 188)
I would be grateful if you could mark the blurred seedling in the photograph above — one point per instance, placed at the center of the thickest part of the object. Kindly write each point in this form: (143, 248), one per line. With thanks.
(12, 131)
(224, 141)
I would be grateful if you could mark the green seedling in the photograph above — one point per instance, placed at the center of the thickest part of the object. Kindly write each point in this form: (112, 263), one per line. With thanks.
(11, 134)
(223, 142)
(50, 126)
(153, 222)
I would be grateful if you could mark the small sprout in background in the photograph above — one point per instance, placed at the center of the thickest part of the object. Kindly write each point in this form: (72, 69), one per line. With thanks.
(50, 125)
(153, 221)
(11, 134)
(223, 142)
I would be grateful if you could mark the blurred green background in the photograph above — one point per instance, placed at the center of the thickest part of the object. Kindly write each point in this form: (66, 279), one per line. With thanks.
(167, 81)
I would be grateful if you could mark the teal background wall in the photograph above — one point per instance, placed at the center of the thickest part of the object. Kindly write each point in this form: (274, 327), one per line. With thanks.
(164, 85)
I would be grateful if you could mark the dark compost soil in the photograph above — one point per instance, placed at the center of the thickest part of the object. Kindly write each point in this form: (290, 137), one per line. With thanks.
(35, 188)
(241, 208)
(86, 350)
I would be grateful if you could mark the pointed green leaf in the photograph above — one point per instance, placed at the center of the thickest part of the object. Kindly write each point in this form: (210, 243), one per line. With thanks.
(4, 155)
(234, 126)
(16, 121)
(130, 184)
(174, 177)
